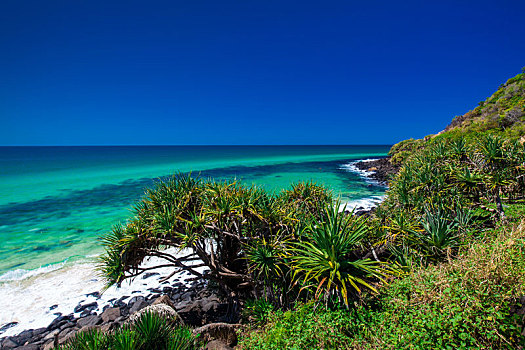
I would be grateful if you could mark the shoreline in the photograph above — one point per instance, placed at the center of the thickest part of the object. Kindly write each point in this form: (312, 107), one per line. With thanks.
(91, 305)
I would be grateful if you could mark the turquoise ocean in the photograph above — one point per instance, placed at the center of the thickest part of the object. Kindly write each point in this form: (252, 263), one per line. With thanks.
(56, 201)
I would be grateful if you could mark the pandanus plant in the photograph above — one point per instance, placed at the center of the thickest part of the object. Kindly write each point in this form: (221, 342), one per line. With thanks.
(213, 222)
(326, 259)
(440, 232)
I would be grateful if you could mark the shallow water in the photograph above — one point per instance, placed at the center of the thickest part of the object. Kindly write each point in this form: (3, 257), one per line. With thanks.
(56, 201)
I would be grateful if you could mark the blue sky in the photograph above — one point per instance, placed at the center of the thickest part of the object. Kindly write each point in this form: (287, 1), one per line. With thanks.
(248, 72)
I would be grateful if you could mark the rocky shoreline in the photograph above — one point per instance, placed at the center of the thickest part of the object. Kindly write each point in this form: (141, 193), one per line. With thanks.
(197, 305)
(380, 170)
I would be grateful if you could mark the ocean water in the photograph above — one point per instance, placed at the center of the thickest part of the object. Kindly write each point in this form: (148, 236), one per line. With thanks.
(56, 201)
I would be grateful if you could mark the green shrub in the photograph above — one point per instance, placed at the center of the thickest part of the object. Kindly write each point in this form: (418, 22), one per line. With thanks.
(150, 331)
(464, 304)
(305, 328)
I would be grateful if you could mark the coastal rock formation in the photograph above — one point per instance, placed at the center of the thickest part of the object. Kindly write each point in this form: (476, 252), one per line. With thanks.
(381, 169)
(195, 306)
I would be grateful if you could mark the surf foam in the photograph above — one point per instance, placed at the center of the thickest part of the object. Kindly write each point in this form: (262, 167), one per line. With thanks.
(26, 297)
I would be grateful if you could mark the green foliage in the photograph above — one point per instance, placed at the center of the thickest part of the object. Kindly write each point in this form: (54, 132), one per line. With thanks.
(150, 331)
(308, 327)
(326, 260)
(252, 242)
(257, 311)
(440, 232)
(464, 304)
(216, 222)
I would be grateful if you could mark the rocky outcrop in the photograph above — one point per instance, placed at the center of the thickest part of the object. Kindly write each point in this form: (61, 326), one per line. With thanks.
(194, 306)
(382, 170)
(222, 332)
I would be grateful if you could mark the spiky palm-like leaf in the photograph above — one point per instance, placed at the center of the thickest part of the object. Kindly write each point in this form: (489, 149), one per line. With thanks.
(326, 259)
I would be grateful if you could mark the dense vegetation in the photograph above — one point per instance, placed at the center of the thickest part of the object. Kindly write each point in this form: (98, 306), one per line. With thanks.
(150, 331)
(282, 247)
(439, 265)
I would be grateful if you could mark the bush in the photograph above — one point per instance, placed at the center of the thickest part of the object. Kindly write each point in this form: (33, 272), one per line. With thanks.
(150, 331)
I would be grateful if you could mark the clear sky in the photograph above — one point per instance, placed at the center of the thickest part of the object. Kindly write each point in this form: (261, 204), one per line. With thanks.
(77, 72)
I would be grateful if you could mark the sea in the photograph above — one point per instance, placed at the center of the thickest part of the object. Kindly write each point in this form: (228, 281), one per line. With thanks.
(56, 202)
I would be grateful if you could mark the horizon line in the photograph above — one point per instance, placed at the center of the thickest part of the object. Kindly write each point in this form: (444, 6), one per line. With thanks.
(202, 145)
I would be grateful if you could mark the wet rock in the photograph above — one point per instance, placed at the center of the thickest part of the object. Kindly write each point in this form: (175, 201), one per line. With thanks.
(382, 170)
(88, 306)
(52, 307)
(6, 326)
(86, 313)
(58, 322)
(150, 274)
(94, 294)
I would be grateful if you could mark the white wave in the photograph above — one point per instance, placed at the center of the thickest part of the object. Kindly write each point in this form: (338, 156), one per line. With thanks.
(26, 297)
(21, 274)
(362, 204)
(365, 174)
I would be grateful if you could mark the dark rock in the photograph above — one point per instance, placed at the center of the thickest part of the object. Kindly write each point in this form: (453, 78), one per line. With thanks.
(51, 335)
(67, 324)
(88, 306)
(210, 305)
(8, 343)
(135, 299)
(29, 347)
(167, 290)
(193, 313)
(188, 295)
(164, 299)
(65, 335)
(86, 313)
(52, 307)
(138, 305)
(94, 294)
(110, 314)
(182, 305)
(150, 274)
(155, 290)
(92, 320)
(7, 326)
(39, 331)
(382, 169)
(121, 299)
(57, 322)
